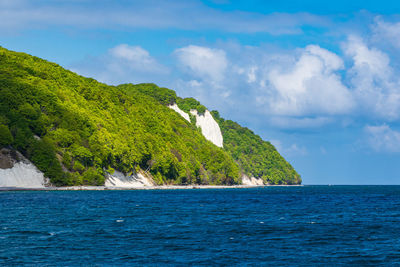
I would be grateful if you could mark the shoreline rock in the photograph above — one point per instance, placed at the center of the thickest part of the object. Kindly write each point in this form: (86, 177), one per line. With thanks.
(134, 180)
(16, 171)
(160, 187)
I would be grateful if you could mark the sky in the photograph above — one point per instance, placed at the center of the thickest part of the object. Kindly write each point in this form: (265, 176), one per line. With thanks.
(320, 80)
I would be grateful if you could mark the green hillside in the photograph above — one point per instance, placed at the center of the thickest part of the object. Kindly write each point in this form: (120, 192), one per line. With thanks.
(76, 129)
(255, 156)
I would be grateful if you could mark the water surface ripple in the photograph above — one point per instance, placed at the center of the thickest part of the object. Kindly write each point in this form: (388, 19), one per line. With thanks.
(292, 226)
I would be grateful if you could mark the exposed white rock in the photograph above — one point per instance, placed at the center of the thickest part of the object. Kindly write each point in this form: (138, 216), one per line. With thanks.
(118, 179)
(22, 175)
(252, 181)
(209, 127)
(180, 111)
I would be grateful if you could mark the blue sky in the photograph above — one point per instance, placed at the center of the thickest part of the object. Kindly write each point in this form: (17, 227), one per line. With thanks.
(320, 81)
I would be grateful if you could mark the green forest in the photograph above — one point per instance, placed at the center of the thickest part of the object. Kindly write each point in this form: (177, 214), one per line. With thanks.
(255, 156)
(75, 130)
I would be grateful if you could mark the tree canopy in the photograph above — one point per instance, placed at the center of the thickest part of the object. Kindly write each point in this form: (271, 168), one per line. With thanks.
(75, 129)
(255, 156)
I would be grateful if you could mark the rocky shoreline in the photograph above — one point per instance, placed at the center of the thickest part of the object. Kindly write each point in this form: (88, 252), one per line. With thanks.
(160, 187)
(17, 173)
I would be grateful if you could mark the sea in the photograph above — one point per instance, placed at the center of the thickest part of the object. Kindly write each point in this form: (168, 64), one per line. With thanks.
(270, 226)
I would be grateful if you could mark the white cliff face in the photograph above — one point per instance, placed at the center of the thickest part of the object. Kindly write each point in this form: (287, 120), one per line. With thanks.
(209, 127)
(118, 179)
(252, 181)
(180, 111)
(22, 175)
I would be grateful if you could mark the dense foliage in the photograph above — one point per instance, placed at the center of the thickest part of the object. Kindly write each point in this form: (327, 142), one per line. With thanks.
(187, 104)
(74, 129)
(255, 156)
(164, 95)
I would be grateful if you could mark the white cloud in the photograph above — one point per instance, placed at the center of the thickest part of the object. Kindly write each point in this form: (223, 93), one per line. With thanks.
(291, 150)
(376, 84)
(302, 88)
(294, 90)
(382, 138)
(285, 122)
(311, 86)
(387, 31)
(131, 53)
(155, 14)
(372, 60)
(135, 57)
(251, 74)
(295, 149)
(194, 83)
(203, 62)
(123, 64)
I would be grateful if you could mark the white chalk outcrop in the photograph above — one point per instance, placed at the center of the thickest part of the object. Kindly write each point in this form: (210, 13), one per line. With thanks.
(252, 181)
(118, 179)
(17, 171)
(209, 127)
(180, 111)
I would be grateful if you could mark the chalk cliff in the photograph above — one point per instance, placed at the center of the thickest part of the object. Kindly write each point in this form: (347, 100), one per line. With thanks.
(134, 180)
(209, 127)
(17, 171)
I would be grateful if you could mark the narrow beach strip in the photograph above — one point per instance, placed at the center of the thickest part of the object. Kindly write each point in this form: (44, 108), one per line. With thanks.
(160, 187)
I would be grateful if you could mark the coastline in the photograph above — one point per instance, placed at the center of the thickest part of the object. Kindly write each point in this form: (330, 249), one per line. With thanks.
(160, 187)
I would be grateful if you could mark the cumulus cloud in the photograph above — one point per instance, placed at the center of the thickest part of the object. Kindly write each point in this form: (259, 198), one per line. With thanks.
(311, 86)
(304, 88)
(134, 57)
(205, 71)
(388, 31)
(376, 84)
(251, 74)
(301, 88)
(203, 62)
(121, 64)
(294, 90)
(286, 122)
(291, 150)
(382, 138)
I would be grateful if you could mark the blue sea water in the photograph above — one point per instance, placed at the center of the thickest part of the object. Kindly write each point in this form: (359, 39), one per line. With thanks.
(275, 226)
